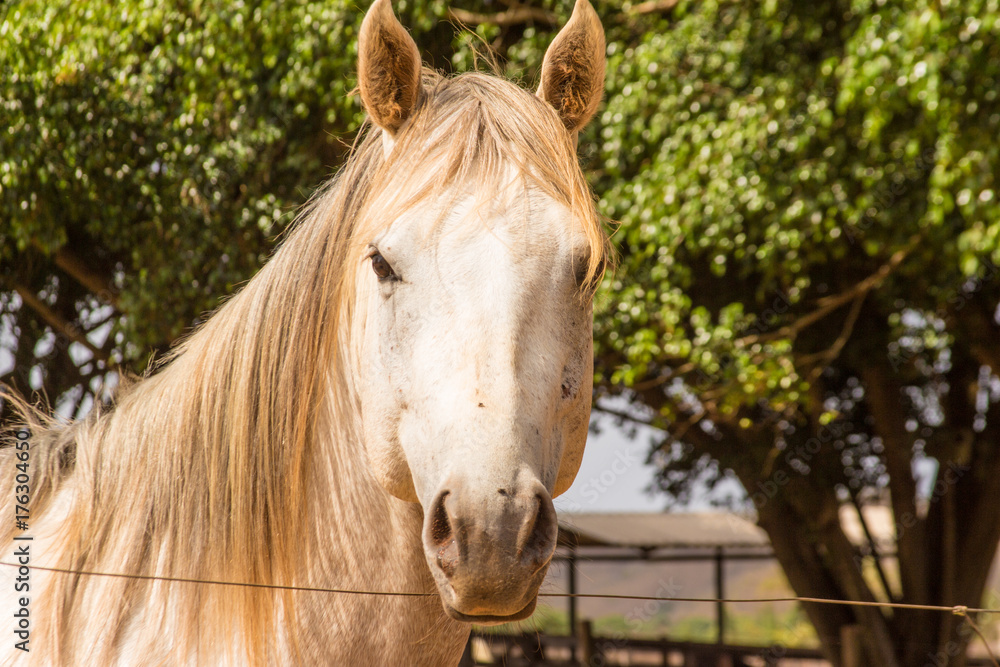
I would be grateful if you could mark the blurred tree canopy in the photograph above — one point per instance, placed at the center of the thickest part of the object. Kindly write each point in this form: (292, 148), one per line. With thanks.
(807, 293)
(150, 154)
(807, 297)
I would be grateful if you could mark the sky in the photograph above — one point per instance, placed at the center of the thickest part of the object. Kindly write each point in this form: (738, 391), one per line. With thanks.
(614, 476)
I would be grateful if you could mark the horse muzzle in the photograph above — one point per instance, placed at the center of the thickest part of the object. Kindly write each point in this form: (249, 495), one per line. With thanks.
(489, 551)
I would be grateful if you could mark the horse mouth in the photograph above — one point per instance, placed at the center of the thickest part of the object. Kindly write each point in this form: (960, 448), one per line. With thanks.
(489, 619)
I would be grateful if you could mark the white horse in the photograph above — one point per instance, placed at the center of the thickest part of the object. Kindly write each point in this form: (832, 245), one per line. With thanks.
(388, 406)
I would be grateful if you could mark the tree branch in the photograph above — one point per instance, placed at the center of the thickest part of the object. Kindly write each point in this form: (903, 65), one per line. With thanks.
(663, 378)
(883, 394)
(78, 270)
(653, 6)
(68, 329)
(873, 546)
(977, 320)
(807, 574)
(842, 565)
(625, 416)
(516, 15)
(827, 357)
(831, 303)
(977, 529)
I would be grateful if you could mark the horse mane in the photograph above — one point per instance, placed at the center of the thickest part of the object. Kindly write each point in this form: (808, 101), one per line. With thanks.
(199, 470)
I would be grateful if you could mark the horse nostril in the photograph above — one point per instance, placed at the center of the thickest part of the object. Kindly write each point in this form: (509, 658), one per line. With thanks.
(538, 535)
(440, 527)
(442, 536)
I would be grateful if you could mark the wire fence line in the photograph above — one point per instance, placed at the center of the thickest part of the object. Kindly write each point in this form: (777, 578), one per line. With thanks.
(958, 610)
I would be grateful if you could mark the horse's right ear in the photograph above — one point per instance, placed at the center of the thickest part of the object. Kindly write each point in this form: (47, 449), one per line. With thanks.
(388, 68)
(573, 68)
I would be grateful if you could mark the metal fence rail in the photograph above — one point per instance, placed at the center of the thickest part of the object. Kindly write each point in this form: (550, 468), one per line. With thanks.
(538, 650)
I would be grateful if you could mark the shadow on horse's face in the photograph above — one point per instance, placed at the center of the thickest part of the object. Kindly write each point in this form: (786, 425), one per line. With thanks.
(475, 352)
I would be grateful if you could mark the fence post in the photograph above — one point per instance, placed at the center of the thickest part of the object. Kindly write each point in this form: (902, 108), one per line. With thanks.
(720, 593)
(585, 641)
(467, 660)
(850, 642)
(571, 562)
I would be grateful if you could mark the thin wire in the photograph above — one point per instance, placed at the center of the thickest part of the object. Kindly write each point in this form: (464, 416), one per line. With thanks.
(958, 610)
(246, 584)
(972, 624)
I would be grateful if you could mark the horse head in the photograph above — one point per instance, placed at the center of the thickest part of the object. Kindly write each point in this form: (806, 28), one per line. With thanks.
(474, 362)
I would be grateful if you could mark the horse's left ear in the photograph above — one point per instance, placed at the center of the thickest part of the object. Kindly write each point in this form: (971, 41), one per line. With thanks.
(388, 68)
(573, 68)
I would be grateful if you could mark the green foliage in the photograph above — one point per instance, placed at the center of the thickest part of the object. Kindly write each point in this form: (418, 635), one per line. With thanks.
(807, 292)
(640, 626)
(752, 150)
(767, 626)
(762, 627)
(143, 127)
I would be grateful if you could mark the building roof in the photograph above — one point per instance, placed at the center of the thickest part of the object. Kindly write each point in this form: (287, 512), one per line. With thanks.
(660, 531)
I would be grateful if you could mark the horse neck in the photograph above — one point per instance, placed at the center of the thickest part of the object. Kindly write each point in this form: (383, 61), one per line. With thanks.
(363, 539)
(362, 536)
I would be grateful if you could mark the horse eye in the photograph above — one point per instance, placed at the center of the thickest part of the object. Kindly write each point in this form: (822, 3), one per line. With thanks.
(581, 272)
(381, 267)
